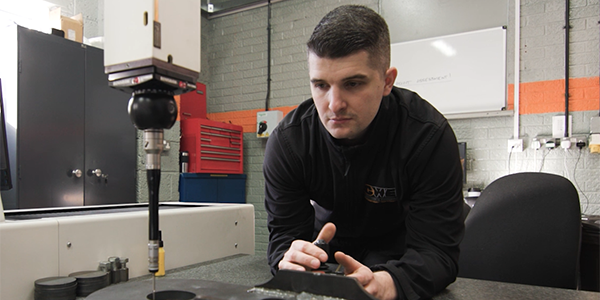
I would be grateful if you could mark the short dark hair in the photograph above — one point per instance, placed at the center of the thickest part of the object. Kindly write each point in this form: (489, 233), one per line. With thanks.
(351, 28)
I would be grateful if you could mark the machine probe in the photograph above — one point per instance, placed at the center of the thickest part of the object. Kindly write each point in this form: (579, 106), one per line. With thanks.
(152, 50)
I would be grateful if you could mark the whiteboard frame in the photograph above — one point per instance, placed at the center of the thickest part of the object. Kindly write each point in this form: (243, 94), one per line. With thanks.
(461, 73)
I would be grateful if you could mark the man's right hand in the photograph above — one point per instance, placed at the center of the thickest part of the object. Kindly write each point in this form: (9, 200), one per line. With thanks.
(303, 255)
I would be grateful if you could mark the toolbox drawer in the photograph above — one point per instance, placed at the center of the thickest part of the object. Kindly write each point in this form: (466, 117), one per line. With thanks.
(213, 147)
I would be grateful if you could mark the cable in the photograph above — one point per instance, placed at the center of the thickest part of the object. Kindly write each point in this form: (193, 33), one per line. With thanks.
(535, 158)
(567, 30)
(268, 56)
(566, 167)
(544, 159)
(509, 155)
(587, 200)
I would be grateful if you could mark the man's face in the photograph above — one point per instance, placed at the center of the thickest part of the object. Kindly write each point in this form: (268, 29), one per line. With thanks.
(347, 93)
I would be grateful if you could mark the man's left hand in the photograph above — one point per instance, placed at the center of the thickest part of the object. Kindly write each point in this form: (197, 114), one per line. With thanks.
(379, 284)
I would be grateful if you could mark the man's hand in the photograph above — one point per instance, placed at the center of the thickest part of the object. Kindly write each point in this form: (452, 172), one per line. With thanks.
(379, 284)
(304, 255)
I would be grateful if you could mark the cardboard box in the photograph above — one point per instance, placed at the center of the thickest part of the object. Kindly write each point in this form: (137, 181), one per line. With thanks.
(72, 26)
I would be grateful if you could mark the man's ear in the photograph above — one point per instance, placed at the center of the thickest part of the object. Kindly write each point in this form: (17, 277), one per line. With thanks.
(390, 78)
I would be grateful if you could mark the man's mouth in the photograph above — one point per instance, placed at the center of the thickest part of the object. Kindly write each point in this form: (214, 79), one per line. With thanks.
(340, 119)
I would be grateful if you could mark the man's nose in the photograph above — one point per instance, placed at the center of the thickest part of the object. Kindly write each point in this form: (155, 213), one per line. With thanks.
(336, 100)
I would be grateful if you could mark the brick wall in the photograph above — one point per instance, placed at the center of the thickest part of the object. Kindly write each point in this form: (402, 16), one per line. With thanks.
(236, 76)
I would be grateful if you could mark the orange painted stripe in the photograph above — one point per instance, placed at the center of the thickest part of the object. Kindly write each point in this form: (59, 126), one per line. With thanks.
(535, 98)
(244, 118)
(549, 96)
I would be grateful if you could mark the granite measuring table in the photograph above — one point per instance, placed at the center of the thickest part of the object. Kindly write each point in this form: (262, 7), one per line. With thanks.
(246, 271)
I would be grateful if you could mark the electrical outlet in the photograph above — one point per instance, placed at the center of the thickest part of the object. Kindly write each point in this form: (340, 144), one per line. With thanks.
(558, 126)
(565, 143)
(515, 145)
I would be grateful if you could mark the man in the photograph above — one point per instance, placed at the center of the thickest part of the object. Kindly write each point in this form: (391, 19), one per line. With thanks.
(370, 168)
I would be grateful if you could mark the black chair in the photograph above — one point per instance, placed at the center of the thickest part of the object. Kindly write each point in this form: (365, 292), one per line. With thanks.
(524, 228)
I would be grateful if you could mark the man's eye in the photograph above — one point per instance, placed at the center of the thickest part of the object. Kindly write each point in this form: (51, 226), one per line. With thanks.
(320, 85)
(352, 84)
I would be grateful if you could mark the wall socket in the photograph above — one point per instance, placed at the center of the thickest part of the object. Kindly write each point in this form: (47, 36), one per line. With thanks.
(515, 145)
(558, 126)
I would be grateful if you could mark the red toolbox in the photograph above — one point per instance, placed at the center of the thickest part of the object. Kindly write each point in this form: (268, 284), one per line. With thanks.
(193, 104)
(213, 147)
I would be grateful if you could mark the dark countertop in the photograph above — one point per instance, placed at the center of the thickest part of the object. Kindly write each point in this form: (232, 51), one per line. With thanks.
(247, 270)
(250, 270)
(473, 289)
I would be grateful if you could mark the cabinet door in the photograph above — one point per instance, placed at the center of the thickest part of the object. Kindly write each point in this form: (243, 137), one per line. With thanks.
(50, 122)
(110, 138)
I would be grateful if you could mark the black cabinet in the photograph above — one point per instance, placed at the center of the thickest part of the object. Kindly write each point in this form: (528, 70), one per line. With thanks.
(74, 143)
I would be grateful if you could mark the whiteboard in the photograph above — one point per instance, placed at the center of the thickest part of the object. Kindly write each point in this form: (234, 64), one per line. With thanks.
(459, 73)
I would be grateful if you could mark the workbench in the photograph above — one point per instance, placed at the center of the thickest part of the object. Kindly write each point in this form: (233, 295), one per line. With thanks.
(242, 272)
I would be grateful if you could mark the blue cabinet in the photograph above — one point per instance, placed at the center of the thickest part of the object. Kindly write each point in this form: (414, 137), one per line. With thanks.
(213, 188)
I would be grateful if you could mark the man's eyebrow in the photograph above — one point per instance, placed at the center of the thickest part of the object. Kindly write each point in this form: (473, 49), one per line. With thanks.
(353, 77)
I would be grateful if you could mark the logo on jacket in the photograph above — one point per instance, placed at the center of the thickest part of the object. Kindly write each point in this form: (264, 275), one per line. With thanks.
(377, 194)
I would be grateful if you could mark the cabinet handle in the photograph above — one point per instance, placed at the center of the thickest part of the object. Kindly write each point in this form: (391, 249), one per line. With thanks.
(77, 173)
(96, 172)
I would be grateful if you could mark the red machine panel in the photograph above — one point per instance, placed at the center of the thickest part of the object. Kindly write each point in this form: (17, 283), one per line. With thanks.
(213, 147)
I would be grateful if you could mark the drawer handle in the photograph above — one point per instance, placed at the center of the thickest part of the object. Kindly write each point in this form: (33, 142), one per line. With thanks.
(220, 147)
(205, 139)
(220, 129)
(220, 153)
(221, 135)
(220, 159)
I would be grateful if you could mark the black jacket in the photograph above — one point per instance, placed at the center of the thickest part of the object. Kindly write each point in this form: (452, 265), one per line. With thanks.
(396, 200)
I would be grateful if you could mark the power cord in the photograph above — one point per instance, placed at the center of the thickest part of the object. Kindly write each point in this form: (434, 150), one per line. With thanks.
(509, 155)
(587, 200)
(544, 159)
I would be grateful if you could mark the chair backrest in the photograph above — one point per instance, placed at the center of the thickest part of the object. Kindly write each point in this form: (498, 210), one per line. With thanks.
(524, 228)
